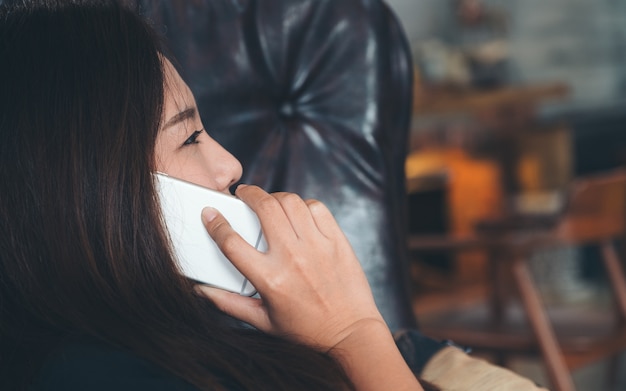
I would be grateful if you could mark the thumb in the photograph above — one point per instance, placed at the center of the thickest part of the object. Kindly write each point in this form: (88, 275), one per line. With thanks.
(247, 309)
(240, 253)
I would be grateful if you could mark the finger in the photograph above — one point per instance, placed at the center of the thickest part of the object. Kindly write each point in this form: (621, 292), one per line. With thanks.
(298, 213)
(242, 255)
(324, 219)
(247, 309)
(274, 223)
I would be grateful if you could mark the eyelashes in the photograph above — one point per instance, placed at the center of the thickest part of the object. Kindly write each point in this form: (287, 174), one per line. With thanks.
(193, 139)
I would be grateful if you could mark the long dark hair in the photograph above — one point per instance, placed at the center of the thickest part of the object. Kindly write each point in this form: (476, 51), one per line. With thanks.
(83, 251)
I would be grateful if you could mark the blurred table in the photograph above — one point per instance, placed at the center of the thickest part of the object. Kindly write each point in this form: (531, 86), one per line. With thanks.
(482, 186)
(507, 114)
(438, 100)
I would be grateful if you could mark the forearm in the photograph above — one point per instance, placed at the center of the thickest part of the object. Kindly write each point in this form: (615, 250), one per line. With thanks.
(372, 361)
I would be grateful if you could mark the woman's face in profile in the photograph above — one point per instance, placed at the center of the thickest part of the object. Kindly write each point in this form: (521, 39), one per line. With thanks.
(183, 149)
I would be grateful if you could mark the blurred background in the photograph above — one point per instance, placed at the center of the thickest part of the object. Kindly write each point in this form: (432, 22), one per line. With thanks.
(518, 104)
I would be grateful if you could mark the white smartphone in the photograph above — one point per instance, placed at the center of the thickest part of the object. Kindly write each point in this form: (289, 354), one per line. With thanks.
(199, 257)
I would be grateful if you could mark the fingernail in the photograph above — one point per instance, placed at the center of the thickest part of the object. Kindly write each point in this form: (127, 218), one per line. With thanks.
(208, 214)
(240, 186)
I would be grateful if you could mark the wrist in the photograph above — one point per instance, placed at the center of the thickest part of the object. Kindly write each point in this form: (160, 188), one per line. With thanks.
(372, 360)
(363, 332)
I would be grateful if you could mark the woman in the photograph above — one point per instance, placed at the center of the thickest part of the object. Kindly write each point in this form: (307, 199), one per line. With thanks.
(90, 294)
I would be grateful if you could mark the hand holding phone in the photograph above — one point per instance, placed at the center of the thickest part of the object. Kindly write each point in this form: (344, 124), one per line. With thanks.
(199, 257)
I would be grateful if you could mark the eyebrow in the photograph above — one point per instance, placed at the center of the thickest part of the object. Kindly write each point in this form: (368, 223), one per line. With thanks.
(184, 115)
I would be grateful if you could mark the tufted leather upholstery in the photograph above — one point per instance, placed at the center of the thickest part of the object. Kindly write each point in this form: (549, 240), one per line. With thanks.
(313, 97)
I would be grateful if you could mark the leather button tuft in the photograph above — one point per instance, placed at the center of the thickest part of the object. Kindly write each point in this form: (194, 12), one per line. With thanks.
(287, 109)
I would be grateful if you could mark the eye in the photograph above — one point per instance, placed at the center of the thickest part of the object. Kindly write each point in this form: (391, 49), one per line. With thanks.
(193, 138)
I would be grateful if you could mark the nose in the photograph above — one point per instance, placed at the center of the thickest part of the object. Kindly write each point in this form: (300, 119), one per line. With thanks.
(227, 169)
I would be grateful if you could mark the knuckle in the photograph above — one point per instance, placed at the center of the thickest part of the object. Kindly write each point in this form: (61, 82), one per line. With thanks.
(317, 207)
(229, 243)
(280, 194)
(218, 227)
(291, 200)
(266, 205)
(277, 284)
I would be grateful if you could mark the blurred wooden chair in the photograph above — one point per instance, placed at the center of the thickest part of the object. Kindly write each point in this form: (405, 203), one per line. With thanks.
(595, 213)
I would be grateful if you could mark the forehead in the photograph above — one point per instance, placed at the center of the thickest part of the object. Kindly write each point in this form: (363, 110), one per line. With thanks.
(178, 96)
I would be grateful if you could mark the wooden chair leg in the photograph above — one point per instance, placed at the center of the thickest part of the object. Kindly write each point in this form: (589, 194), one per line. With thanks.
(616, 276)
(557, 369)
(498, 295)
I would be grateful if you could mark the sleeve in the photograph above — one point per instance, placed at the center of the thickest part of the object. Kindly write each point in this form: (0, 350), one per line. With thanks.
(453, 369)
(416, 348)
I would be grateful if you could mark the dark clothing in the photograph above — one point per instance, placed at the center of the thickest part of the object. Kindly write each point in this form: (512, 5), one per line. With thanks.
(89, 365)
(93, 366)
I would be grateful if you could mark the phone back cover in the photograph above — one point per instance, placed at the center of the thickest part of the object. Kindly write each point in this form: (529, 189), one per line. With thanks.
(198, 255)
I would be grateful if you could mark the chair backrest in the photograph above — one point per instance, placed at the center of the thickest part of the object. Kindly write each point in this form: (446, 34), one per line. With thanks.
(313, 97)
(596, 208)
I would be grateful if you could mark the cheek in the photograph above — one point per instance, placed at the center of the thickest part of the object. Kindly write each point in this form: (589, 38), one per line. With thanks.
(192, 164)
(196, 165)
(206, 164)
